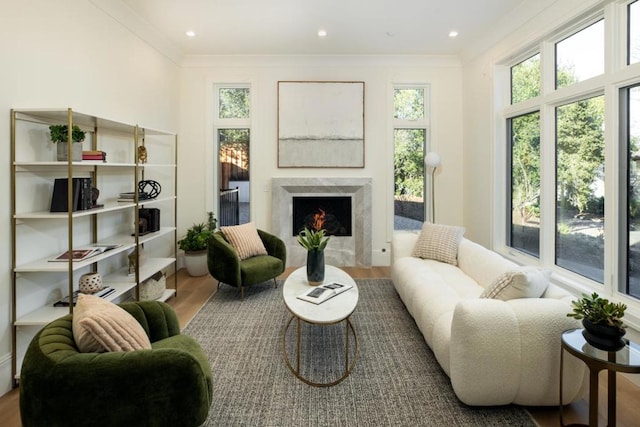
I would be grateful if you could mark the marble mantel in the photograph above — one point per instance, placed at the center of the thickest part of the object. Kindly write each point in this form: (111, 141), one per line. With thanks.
(352, 250)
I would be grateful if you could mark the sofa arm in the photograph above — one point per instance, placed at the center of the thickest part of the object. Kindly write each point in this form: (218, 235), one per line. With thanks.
(223, 261)
(274, 246)
(512, 348)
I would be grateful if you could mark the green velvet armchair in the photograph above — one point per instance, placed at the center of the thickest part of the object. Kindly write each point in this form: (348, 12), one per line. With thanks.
(225, 266)
(169, 385)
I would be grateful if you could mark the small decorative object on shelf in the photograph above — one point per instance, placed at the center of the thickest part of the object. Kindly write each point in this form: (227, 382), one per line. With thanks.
(602, 321)
(153, 287)
(148, 189)
(60, 134)
(314, 241)
(94, 155)
(90, 283)
(142, 154)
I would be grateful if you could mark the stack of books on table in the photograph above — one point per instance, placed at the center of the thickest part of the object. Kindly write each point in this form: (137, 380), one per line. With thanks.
(320, 294)
(94, 155)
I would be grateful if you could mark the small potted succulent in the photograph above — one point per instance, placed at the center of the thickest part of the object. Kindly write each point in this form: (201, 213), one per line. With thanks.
(314, 241)
(195, 244)
(602, 321)
(59, 136)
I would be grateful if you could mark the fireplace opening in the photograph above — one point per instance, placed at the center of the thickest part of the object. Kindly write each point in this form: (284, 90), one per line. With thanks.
(333, 214)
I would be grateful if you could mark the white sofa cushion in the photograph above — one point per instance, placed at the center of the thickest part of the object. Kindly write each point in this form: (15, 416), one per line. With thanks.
(524, 282)
(439, 242)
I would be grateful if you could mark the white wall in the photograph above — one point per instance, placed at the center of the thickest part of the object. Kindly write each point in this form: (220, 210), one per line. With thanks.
(69, 53)
(199, 74)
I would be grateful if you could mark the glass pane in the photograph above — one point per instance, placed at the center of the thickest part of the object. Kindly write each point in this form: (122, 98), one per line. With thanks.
(409, 178)
(580, 56)
(634, 32)
(634, 191)
(580, 187)
(525, 183)
(408, 104)
(234, 174)
(525, 79)
(234, 103)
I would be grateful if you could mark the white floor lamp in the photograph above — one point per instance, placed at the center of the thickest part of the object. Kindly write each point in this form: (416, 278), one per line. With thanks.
(432, 161)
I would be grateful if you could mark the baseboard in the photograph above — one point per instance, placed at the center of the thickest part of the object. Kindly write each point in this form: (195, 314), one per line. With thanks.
(5, 373)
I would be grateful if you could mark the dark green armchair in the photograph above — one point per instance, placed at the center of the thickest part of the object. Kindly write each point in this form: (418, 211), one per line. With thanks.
(169, 385)
(225, 266)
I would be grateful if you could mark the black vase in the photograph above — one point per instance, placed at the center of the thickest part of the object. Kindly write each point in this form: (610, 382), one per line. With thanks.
(315, 267)
(603, 337)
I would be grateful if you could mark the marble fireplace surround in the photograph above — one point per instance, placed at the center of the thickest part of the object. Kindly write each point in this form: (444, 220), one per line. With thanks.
(354, 250)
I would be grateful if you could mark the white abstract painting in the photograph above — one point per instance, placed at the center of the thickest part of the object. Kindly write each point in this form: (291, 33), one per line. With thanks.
(321, 124)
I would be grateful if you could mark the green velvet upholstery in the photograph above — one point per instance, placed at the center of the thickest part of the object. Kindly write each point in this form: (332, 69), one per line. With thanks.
(169, 385)
(225, 266)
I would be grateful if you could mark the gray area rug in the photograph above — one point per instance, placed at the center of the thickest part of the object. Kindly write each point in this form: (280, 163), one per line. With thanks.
(396, 380)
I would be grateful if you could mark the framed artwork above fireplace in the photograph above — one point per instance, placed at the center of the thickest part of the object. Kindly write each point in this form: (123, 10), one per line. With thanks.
(320, 124)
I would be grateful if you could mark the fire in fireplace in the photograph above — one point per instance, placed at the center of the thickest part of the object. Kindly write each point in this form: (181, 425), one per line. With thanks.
(333, 214)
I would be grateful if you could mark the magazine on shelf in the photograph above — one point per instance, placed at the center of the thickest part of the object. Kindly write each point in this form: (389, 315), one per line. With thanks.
(81, 254)
(102, 293)
(321, 293)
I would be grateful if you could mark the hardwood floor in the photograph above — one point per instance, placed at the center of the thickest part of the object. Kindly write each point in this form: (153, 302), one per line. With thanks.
(193, 292)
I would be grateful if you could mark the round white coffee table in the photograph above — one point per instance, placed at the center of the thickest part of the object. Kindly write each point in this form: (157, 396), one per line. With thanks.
(333, 311)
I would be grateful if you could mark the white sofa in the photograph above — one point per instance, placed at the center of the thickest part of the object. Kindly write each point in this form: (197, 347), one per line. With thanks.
(495, 352)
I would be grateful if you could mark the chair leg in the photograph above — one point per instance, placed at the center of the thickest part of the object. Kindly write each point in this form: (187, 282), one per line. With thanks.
(242, 293)
(219, 284)
(275, 283)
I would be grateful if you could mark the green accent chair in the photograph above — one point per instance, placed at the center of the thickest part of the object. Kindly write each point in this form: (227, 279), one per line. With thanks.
(225, 266)
(169, 385)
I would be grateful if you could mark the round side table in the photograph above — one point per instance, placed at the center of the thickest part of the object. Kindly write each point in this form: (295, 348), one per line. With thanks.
(626, 360)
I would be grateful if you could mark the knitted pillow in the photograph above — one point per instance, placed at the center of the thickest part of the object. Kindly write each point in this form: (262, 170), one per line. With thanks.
(99, 325)
(245, 240)
(524, 282)
(439, 242)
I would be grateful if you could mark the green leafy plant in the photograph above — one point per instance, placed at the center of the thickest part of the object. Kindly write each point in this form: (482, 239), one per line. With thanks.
(59, 133)
(599, 311)
(198, 235)
(313, 240)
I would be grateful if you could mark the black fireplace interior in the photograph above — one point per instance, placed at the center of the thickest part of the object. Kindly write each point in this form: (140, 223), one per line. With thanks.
(333, 214)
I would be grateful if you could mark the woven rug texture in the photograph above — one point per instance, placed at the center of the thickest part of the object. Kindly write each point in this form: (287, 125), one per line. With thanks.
(396, 380)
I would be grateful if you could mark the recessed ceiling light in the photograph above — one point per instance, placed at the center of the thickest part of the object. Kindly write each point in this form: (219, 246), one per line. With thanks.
(453, 34)
(190, 33)
(322, 33)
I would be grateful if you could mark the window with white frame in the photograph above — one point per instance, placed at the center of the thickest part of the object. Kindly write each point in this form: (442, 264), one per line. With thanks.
(410, 134)
(232, 130)
(559, 193)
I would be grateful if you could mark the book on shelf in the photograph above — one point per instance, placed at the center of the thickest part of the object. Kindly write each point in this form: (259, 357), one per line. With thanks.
(94, 155)
(81, 194)
(81, 254)
(102, 293)
(321, 293)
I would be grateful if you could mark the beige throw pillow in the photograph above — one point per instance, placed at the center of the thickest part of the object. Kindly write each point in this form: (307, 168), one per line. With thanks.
(525, 282)
(99, 325)
(245, 239)
(439, 242)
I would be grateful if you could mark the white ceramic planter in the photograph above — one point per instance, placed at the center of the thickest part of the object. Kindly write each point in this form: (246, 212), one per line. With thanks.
(196, 263)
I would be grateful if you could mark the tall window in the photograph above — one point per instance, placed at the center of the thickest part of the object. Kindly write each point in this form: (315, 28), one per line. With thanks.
(631, 135)
(580, 187)
(524, 135)
(410, 139)
(233, 138)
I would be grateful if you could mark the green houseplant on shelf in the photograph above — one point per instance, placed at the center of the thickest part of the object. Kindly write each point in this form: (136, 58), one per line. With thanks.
(602, 321)
(59, 135)
(195, 244)
(314, 241)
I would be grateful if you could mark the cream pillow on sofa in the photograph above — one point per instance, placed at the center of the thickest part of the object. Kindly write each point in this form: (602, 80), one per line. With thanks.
(245, 240)
(99, 325)
(524, 282)
(439, 242)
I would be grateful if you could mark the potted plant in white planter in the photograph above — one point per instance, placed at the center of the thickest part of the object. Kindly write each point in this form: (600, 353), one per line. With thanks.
(59, 136)
(194, 245)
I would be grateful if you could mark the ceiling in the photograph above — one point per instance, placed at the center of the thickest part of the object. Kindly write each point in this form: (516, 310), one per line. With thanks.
(354, 27)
